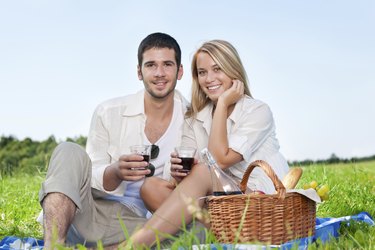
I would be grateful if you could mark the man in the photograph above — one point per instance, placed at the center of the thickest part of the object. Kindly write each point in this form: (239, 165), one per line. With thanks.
(86, 195)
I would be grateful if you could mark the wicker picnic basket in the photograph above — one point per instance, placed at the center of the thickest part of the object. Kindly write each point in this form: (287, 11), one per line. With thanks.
(270, 219)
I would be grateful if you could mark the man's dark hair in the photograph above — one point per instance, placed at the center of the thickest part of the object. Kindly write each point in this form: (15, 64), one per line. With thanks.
(159, 40)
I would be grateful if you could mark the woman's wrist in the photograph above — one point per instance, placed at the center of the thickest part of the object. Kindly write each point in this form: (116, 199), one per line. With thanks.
(221, 104)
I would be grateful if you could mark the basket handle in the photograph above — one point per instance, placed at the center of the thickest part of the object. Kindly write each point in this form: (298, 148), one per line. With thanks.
(280, 189)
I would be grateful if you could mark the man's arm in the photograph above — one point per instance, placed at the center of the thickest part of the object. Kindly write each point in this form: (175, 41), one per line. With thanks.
(108, 168)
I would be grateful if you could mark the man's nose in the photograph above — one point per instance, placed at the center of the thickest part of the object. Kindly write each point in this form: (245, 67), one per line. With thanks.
(160, 71)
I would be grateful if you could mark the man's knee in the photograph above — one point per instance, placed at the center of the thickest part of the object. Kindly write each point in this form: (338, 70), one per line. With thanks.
(69, 148)
(200, 170)
(149, 185)
(71, 154)
(69, 164)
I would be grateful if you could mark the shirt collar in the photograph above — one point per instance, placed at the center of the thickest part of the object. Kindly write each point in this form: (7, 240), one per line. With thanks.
(206, 112)
(135, 104)
(238, 110)
(205, 117)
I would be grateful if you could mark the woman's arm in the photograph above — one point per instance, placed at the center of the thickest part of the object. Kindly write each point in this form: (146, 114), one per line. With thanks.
(218, 141)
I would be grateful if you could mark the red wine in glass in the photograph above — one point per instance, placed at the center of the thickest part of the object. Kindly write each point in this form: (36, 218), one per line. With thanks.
(187, 163)
(146, 158)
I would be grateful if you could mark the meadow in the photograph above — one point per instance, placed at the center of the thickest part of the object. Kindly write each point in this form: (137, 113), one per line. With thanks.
(352, 190)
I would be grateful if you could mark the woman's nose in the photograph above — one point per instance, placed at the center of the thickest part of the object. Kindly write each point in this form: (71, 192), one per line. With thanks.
(210, 77)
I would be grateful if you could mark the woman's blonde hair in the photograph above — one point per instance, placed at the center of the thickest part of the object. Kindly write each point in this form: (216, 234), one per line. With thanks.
(226, 57)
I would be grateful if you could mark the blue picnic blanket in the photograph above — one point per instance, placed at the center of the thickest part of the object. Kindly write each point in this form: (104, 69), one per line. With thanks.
(12, 242)
(325, 229)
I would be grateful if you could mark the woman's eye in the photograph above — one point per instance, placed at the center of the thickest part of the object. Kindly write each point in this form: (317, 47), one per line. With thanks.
(201, 73)
(216, 69)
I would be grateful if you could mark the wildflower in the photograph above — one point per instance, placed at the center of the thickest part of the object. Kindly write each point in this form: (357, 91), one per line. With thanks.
(196, 210)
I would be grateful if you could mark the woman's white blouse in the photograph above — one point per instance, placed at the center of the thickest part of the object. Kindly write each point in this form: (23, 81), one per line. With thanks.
(251, 132)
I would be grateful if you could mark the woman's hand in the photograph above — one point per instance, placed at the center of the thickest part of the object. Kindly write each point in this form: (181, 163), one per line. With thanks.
(176, 168)
(233, 94)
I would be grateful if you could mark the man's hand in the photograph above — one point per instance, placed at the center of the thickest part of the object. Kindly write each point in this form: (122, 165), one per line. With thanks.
(132, 168)
(127, 168)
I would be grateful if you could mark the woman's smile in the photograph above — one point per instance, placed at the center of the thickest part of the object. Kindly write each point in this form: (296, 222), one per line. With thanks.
(214, 87)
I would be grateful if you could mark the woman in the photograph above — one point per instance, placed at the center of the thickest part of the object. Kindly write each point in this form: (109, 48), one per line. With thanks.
(236, 128)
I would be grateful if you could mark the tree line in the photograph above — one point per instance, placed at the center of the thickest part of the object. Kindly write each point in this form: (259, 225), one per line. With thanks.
(30, 156)
(333, 159)
(27, 155)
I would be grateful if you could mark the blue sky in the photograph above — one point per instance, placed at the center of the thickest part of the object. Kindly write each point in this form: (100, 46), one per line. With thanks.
(313, 62)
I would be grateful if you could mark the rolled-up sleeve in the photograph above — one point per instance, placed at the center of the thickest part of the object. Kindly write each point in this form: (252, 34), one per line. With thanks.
(98, 147)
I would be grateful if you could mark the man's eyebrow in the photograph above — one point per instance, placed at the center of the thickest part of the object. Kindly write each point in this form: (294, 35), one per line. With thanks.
(148, 62)
(166, 61)
(169, 61)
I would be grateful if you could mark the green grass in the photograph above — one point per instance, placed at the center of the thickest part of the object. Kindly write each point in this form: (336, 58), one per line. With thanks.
(19, 206)
(352, 187)
(352, 191)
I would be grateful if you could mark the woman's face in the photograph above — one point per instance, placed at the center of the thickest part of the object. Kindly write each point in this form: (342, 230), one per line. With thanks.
(211, 78)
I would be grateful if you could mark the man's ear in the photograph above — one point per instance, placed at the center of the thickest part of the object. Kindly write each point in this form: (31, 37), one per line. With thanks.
(139, 72)
(180, 72)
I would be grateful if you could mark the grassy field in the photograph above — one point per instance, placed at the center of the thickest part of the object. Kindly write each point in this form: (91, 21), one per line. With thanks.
(352, 191)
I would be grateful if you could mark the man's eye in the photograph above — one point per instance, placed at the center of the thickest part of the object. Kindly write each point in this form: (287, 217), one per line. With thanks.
(149, 65)
(169, 64)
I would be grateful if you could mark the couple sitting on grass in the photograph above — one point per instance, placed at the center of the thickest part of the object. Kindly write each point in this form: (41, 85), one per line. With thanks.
(87, 195)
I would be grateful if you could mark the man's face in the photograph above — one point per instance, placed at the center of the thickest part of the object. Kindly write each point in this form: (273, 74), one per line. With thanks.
(159, 72)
